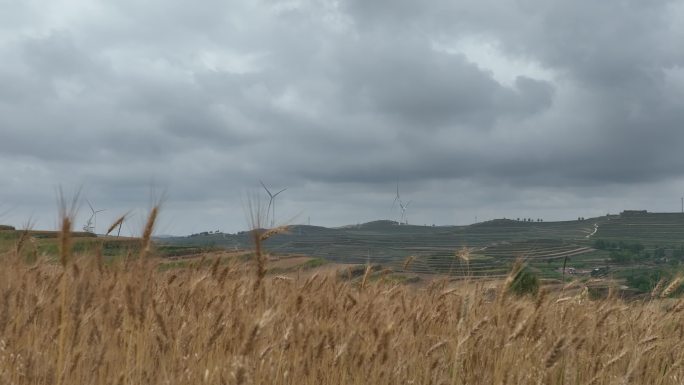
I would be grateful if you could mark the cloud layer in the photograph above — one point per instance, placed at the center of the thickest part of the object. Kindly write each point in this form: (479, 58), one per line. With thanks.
(477, 108)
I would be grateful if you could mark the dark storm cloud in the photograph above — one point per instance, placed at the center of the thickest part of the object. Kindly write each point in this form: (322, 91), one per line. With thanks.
(426, 89)
(338, 101)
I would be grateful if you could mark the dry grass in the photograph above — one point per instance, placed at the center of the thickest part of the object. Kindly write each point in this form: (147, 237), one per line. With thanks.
(130, 323)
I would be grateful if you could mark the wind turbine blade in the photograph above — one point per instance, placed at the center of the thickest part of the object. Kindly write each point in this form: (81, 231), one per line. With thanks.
(276, 194)
(268, 211)
(91, 206)
(267, 190)
(397, 198)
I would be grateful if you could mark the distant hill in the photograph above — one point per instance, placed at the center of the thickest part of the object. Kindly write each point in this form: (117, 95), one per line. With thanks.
(44, 242)
(44, 234)
(381, 224)
(484, 249)
(433, 247)
(651, 229)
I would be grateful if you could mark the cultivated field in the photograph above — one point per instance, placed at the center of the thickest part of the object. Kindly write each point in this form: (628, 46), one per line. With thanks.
(227, 321)
(651, 229)
(589, 249)
(493, 245)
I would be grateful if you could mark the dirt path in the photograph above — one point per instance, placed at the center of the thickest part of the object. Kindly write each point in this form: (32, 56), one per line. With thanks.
(595, 230)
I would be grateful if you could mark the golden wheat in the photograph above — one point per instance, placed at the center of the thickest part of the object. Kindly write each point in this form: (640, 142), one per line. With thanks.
(137, 324)
(116, 224)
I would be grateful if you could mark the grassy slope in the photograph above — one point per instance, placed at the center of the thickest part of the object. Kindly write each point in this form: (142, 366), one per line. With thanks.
(44, 244)
(654, 229)
(492, 246)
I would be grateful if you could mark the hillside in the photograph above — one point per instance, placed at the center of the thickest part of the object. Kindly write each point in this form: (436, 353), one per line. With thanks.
(36, 243)
(634, 248)
(492, 244)
(485, 249)
(651, 229)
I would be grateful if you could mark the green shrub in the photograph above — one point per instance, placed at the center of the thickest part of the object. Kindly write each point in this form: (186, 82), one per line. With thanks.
(313, 263)
(645, 281)
(525, 282)
(622, 257)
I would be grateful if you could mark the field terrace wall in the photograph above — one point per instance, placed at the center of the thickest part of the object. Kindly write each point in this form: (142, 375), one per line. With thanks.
(651, 229)
(494, 244)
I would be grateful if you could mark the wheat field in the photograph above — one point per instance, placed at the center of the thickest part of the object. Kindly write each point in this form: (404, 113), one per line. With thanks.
(81, 321)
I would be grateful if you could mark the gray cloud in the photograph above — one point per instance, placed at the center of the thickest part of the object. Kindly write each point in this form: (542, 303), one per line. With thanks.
(512, 107)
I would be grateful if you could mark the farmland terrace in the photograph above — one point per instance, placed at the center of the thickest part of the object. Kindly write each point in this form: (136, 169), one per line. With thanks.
(489, 247)
(651, 229)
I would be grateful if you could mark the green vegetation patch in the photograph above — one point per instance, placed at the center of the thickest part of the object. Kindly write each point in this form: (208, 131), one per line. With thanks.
(313, 263)
(310, 264)
(525, 283)
(179, 250)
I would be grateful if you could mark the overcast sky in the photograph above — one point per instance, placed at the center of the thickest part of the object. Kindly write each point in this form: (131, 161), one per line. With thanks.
(483, 108)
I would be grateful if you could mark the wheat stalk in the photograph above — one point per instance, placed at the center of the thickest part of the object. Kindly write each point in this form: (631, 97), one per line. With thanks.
(146, 240)
(672, 287)
(274, 231)
(555, 353)
(116, 224)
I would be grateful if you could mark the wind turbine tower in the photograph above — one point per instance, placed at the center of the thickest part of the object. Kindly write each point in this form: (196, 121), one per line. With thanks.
(402, 207)
(91, 224)
(403, 211)
(397, 200)
(271, 203)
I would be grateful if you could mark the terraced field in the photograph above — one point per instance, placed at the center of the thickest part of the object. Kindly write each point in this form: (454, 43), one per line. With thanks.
(492, 245)
(652, 229)
(496, 259)
(483, 250)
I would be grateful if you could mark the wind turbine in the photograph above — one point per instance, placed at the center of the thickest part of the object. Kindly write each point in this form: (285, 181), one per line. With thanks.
(271, 202)
(403, 211)
(91, 224)
(397, 199)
